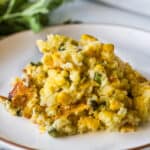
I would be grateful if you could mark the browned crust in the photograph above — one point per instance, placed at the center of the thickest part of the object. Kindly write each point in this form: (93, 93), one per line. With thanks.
(3, 99)
(19, 95)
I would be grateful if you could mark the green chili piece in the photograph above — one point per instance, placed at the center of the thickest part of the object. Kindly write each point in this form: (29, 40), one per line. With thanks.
(98, 77)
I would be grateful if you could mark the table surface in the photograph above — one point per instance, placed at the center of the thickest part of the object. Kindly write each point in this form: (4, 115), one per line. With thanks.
(92, 11)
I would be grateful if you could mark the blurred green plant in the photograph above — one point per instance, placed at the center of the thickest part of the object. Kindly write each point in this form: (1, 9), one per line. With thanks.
(18, 15)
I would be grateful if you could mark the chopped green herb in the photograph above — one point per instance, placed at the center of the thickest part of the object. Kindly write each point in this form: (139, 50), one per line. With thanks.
(18, 112)
(103, 103)
(74, 42)
(53, 132)
(98, 77)
(36, 64)
(61, 47)
(130, 94)
(93, 104)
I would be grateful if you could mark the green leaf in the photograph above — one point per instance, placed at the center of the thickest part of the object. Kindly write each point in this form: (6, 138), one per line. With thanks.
(3, 2)
(34, 23)
(17, 15)
(98, 77)
(10, 6)
(3, 6)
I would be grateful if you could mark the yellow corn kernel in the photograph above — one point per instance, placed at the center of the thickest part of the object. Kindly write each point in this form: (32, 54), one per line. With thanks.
(85, 39)
(63, 98)
(107, 51)
(75, 76)
(108, 48)
(56, 40)
(106, 117)
(107, 90)
(59, 80)
(80, 108)
(99, 68)
(43, 46)
(87, 123)
(56, 59)
(142, 105)
(27, 112)
(106, 114)
(115, 105)
(47, 60)
(92, 49)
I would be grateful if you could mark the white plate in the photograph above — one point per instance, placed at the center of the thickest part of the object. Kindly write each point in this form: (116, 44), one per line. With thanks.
(132, 45)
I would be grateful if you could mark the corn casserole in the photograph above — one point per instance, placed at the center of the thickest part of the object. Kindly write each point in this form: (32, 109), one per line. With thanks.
(79, 86)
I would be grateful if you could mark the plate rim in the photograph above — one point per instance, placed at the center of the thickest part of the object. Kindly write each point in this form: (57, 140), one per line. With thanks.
(13, 144)
(21, 146)
(138, 29)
